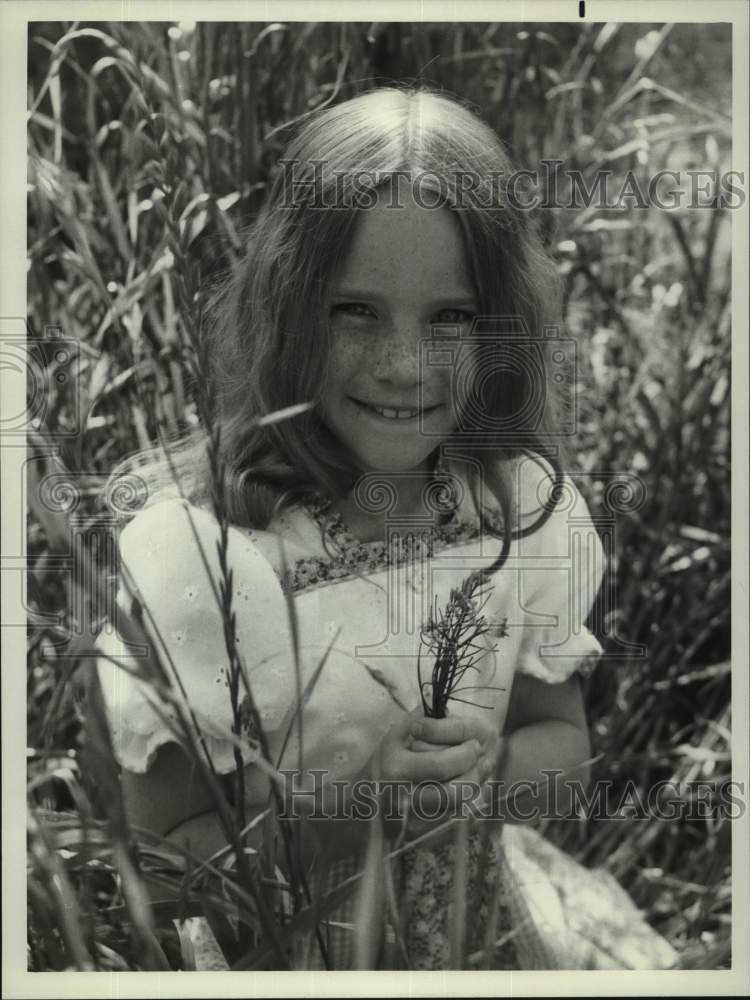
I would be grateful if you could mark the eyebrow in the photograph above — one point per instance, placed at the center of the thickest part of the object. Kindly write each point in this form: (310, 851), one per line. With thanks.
(461, 295)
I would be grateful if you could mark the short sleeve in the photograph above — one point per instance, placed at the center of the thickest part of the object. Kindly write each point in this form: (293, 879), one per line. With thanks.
(561, 568)
(162, 552)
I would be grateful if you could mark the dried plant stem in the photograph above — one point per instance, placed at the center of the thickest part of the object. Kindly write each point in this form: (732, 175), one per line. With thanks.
(452, 637)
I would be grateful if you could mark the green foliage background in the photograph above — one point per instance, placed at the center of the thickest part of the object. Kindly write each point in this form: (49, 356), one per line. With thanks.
(122, 113)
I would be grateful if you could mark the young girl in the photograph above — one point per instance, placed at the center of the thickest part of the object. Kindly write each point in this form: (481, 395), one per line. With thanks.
(391, 283)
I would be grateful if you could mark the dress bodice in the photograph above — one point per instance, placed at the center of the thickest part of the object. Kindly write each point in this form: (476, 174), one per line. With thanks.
(360, 610)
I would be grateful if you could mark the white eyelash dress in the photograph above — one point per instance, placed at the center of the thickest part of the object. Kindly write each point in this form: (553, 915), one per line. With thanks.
(370, 599)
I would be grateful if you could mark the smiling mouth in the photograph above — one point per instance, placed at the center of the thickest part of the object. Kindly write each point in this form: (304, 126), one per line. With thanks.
(390, 413)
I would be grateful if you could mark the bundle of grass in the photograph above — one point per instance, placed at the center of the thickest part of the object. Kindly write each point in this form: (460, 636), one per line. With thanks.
(452, 636)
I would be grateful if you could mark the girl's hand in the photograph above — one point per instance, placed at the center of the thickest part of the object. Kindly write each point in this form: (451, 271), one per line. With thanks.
(427, 733)
(447, 751)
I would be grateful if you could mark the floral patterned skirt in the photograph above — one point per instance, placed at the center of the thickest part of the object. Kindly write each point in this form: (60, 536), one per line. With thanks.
(491, 898)
(436, 889)
(455, 912)
(501, 898)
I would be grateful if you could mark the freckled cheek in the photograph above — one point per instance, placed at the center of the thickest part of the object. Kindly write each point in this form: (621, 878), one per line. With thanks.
(441, 387)
(345, 361)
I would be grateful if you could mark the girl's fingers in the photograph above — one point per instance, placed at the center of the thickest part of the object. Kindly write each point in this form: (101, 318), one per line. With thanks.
(443, 764)
(447, 731)
(420, 745)
(450, 731)
(458, 794)
(489, 749)
(454, 798)
(482, 771)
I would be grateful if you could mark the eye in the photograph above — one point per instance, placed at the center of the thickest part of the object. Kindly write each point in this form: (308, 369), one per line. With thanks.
(352, 309)
(454, 316)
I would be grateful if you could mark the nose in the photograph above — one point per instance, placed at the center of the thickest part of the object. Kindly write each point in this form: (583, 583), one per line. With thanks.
(397, 360)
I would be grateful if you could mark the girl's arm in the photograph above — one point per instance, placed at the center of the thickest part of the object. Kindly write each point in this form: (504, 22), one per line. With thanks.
(168, 794)
(545, 729)
(172, 801)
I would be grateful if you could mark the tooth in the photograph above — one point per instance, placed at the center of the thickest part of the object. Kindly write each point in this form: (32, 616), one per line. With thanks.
(392, 414)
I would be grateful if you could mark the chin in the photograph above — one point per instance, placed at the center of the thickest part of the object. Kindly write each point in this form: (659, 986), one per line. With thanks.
(393, 464)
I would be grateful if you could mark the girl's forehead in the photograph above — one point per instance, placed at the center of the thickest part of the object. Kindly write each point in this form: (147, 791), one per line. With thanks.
(407, 245)
(407, 217)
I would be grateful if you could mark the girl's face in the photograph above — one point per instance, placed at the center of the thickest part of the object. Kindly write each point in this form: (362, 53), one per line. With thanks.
(406, 270)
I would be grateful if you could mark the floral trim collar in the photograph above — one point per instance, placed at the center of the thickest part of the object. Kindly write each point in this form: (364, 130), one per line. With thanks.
(349, 556)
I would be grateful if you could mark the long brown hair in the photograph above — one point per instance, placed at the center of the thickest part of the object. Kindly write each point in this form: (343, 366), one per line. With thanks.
(267, 334)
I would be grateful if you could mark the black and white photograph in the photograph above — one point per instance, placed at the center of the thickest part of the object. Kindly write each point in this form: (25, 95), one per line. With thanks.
(375, 499)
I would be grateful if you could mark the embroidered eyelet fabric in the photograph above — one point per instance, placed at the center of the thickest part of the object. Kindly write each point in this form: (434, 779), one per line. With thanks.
(361, 605)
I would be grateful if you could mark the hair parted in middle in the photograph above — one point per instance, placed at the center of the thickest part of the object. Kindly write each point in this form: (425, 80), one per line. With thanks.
(267, 322)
